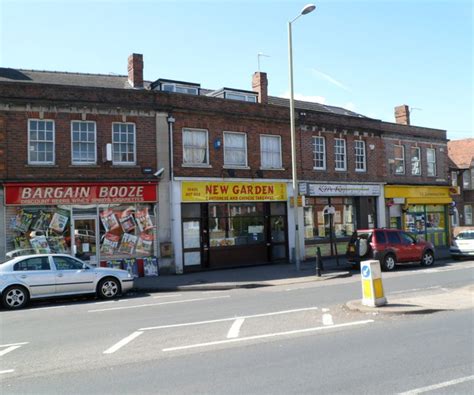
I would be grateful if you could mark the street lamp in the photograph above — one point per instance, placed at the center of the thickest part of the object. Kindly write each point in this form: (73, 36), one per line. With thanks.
(306, 10)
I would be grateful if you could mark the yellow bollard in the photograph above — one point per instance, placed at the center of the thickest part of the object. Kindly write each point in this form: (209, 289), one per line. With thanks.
(372, 287)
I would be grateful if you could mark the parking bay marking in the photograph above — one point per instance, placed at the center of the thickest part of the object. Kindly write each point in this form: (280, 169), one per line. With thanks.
(7, 371)
(10, 347)
(123, 342)
(438, 386)
(235, 328)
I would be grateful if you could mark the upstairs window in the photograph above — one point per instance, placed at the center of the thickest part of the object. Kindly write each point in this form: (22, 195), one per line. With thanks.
(240, 96)
(195, 147)
(399, 158)
(467, 214)
(40, 142)
(431, 161)
(83, 140)
(235, 149)
(319, 149)
(340, 154)
(123, 143)
(270, 152)
(360, 156)
(454, 178)
(466, 179)
(415, 161)
(189, 90)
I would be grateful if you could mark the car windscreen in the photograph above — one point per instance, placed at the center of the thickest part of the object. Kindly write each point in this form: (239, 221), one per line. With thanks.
(465, 236)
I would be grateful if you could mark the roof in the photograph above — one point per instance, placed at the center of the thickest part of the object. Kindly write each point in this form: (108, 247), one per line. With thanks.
(461, 152)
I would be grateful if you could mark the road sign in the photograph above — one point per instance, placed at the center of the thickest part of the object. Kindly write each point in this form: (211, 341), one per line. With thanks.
(372, 287)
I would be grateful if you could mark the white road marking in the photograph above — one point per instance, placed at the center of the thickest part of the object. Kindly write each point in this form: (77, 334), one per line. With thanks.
(7, 371)
(227, 319)
(414, 290)
(122, 342)
(13, 344)
(438, 386)
(157, 304)
(324, 310)
(166, 296)
(268, 335)
(8, 349)
(327, 319)
(235, 328)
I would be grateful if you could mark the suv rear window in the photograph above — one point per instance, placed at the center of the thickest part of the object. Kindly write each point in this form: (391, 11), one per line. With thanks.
(393, 237)
(380, 237)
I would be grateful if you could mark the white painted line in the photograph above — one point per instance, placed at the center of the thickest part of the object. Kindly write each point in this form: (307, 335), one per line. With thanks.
(268, 335)
(13, 344)
(157, 304)
(166, 296)
(235, 328)
(227, 319)
(7, 371)
(414, 290)
(324, 310)
(327, 319)
(122, 342)
(438, 386)
(7, 350)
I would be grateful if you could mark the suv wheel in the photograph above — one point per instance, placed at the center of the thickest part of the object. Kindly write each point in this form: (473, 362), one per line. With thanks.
(389, 262)
(427, 259)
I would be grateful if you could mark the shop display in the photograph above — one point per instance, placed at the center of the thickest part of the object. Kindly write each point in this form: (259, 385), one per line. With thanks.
(110, 244)
(40, 244)
(42, 221)
(145, 243)
(128, 243)
(143, 220)
(115, 263)
(126, 220)
(131, 266)
(150, 266)
(57, 244)
(109, 220)
(22, 221)
(59, 221)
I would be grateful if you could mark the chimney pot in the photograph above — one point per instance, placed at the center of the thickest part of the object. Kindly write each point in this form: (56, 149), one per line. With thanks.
(402, 114)
(135, 70)
(260, 85)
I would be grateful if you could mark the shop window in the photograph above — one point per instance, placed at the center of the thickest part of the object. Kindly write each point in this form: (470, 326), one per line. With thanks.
(340, 154)
(195, 147)
(83, 140)
(41, 141)
(191, 210)
(235, 149)
(123, 144)
(360, 155)
(431, 161)
(270, 152)
(467, 214)
(399, 159)
(319, 150)
(415, 161)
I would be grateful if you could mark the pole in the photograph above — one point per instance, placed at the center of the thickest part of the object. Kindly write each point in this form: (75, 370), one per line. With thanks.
(293, 149)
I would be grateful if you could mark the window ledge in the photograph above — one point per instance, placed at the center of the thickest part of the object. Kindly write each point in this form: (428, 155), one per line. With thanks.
(319, 168)
(130, 166)
(236, 167)
(273, 168)
(92, 165)
(196, 165)
(361, 171)
(41, 165)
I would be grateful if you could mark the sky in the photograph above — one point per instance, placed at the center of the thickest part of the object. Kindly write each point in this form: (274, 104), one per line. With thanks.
(364, 55)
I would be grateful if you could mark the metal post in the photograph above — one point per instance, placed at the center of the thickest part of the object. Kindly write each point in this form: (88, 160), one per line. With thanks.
(319, 262)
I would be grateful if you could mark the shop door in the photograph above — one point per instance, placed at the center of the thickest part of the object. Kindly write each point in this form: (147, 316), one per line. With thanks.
(85, 239)
(277, 225)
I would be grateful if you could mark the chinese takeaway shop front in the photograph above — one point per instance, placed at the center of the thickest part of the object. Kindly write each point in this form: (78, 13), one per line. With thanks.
(422, 211)
(113, 224)
(227, 224)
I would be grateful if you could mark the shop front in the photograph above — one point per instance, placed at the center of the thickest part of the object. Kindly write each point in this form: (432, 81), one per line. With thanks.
(422, 211)
(107, 224)
(229, 224)
(332, 212)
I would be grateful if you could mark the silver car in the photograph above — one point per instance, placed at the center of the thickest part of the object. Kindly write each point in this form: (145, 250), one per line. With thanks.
(463, 245)
(46, 275)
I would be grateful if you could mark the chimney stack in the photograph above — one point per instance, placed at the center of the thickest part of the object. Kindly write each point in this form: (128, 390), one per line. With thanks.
(260, 85)
(402, 114)
(135, 70)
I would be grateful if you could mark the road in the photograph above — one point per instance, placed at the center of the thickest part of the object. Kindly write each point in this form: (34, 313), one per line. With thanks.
(275, 340)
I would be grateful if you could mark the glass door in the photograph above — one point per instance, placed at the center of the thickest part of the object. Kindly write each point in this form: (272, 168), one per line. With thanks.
(85, 239)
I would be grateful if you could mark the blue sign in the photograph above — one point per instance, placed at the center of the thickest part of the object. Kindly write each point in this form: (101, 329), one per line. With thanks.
(365, 271)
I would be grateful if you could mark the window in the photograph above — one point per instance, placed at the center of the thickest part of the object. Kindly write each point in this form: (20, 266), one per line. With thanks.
(340, 154)
(123, 143)
(240, 96)
(319, 144)
(399, 157)
(235, 149)
(380, 236)
(454, 178)
(190, 90)
(467, 214)
(37, 263)
(431, 161)
(40, 142)
(83, 142)
(270, 152)
(466, 179)
(65, 263)
(415, 161)
(360, 155)
(406, 238)
(195, 147)
(393, 237)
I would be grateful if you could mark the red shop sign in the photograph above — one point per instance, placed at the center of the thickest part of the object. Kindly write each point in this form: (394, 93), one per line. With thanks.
(44, 194)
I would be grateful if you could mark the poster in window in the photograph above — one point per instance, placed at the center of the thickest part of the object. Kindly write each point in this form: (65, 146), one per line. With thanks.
(337, 217)
(150, 266)
(320, 217)
(110, 244)
(42, 221)
(40, 244)
(143, 220)
(21, 243)
(128, 243)
(57, 244)
(145, 244)
(126, 220)
(115, 263)
(59, 221)
(109, 220)
(22, 221)
(131, 266)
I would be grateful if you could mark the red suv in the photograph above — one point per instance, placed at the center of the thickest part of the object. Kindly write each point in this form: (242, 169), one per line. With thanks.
(389, 246)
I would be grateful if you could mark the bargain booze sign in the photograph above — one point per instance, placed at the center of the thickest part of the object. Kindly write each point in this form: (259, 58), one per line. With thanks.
(46, 194)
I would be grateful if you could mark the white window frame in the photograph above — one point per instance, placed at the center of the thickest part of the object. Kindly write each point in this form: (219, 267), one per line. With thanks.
(315, 153)
(180, 88)
(191, 164)
(226, 164)
(239, 96)
(432, 163)
(400, 159)
(467, 214)
(79, 162)
(336, 161)
(454, 178)
(419, 160)
(358, 162)
(125, 163)
(263, 136)
(466, 179)
(31, 162)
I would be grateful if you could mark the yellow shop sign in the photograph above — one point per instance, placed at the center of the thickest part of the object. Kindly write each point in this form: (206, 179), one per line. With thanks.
(210, 191)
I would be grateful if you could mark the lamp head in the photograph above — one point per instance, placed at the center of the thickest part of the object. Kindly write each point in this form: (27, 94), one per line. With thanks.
(307, 9)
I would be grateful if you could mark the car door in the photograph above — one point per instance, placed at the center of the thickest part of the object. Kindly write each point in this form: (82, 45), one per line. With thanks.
(395, 244)
(36, 273)
(71, 277)
(410, 249)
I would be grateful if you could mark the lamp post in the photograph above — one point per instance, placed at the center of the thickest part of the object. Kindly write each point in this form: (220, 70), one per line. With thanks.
(306, 10)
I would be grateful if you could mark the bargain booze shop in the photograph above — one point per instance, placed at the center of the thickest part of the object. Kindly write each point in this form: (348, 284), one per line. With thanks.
(113, 224)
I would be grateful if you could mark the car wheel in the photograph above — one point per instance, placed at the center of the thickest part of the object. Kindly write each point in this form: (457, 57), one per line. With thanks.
(108, 288)
(389, 262)
(427, 258)
(15, 297)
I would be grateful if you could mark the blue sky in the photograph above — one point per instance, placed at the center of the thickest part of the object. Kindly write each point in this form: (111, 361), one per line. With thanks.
(367, 56)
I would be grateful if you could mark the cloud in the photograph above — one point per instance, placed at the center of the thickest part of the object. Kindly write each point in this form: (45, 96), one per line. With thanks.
(330, 79)
(300, 96)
